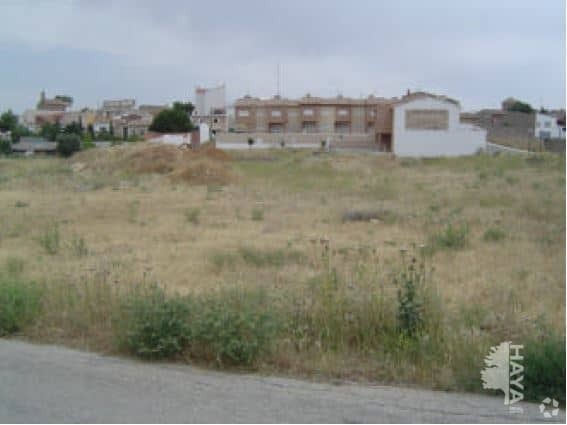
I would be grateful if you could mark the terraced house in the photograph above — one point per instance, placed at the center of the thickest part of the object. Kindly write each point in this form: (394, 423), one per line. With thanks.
(418, 123)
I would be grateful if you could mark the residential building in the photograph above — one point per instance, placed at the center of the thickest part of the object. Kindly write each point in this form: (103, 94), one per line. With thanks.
(548, 126)
(113, 108)
(102, 125)
(428, 125)
(211, 108)
(59, 103)
(48, 111)
(389, 125)
(131, 124)
(152, 110)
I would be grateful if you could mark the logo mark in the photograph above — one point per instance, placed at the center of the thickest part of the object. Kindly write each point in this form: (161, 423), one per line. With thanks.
(545, 404)
(505, 372)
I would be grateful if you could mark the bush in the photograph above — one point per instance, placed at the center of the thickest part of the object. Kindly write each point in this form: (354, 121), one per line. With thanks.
(192, 215)
(155, 326)
(410, 282)
(5, 147)
(50, 239)
(544, 363)
(19, 304)
(493, 234)
(68, 144)
(14, 266)
(231, 328)
(451, 237)
(257, 214)
(79, 246)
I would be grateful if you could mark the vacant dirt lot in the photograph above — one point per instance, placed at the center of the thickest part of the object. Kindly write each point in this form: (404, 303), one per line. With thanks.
(489, 232)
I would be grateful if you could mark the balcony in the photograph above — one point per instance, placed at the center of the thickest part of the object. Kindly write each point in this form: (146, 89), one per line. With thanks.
(342, 115)
(309, 114)
(276, 116)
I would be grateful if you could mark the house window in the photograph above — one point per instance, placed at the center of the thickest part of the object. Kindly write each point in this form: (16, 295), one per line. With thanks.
(309, 127)
(308, 112)
(243, 113)
(427, 119)
(342, 128)
(342, 112)
(276, 128)
(276, 113)
(547, 124)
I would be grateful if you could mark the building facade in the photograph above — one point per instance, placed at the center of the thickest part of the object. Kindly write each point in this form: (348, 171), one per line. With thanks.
(342, 117)
(406, 126)
(211, 108)
(548, 126)
(428, 125)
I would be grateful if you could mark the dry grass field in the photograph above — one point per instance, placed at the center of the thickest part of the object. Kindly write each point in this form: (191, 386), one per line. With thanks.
(327, 241)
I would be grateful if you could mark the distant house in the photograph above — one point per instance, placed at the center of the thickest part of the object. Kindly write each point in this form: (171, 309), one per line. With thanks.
(101, 125)
(548, 127)
(34, 145)
(425, 124)
(132, 124)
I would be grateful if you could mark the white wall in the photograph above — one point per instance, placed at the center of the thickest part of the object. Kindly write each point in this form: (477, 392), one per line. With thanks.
(547, 124)
(458, 139)
(203, 132)
(210, 98)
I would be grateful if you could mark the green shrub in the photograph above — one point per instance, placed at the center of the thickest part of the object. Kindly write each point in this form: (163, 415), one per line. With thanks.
(232, 327)
(155, 326)
(21, 204)
(494, 234)
(5, 147)
(14, 266)
(257, 214)
(68, 144)
(19, 304)
(451, 237)
(88, 144)
(79, 246)
(410, 282)
(192, 215)
(544, 363)
(220, 260)
(50, 239)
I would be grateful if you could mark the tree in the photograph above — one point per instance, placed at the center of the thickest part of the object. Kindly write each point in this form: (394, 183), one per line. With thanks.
(68, 144)
(20, 131)
(50, 131)
(73, 128)
(8, 121)
(5, 147)
(174, 120)
(521, 107)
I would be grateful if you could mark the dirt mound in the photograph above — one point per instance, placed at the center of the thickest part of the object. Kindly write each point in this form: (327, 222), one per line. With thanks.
(203, 171)
(159, 159)
(206, 165)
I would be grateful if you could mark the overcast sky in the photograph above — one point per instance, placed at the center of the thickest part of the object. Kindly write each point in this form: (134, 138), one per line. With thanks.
(478, 52)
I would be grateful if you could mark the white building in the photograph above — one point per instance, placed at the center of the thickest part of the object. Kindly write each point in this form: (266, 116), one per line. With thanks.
(211, 108)
(209, 101)
(546, 127)
(428, 125)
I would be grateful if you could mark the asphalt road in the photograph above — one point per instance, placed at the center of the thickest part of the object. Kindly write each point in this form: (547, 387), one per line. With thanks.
(54, 384)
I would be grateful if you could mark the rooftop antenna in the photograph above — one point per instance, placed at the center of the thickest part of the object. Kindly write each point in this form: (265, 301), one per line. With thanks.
(278, 80)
